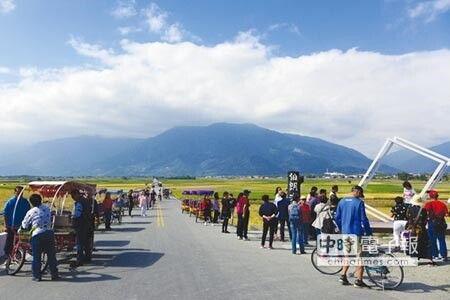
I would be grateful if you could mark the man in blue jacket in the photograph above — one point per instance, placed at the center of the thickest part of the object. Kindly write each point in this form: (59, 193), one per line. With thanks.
(14, 211)
(351, 218)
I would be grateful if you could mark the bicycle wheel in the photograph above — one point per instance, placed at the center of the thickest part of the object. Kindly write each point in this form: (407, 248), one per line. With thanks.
(15, 261)
(319, 263)
(386, 277)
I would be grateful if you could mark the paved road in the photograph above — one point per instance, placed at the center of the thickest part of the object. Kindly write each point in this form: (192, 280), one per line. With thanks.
(168, 256)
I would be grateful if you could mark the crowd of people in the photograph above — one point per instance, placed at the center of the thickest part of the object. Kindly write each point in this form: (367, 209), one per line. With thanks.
(305, 217)
(19, 216)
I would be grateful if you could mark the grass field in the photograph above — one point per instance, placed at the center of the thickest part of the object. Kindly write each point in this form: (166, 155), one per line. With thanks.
(379, 193)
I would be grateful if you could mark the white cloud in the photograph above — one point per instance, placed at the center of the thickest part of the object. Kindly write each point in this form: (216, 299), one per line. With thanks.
(124, 9)
(290, 27)
(128, 29)
(155, 18)
(429, 10)
(173, 34)
(353, 98)
(7, 6)
(4, 70)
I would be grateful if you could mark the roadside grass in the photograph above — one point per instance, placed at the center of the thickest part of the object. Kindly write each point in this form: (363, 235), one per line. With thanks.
(379, 193)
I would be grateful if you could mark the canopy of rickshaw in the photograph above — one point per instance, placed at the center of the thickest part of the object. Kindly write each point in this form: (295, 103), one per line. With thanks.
(198, 192)
(51, 188)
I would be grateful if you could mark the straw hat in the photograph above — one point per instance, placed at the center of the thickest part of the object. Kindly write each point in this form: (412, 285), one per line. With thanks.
(417, 200)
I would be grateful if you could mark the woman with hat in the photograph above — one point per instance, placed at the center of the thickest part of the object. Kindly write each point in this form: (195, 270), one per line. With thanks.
(417, 219)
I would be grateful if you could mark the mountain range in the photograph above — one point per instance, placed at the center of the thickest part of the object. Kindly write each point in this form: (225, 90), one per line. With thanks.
(218, 149)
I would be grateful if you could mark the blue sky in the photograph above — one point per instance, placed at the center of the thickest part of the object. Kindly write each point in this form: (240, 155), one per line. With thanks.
(322, 60)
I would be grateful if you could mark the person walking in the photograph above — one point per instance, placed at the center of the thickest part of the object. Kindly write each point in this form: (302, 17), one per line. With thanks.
(226, 211)
(333, 194)
(14, 211)
(351, 218)
(437, 225)
(143, 201)
(295, 218)
(38, 220)
(268, 211)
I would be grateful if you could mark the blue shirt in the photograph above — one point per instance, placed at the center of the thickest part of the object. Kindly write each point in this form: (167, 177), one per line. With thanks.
(282, 206)
(8, 211)
(351, 217)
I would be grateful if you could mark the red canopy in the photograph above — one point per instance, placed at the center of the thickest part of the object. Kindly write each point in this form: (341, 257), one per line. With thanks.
(50, 188)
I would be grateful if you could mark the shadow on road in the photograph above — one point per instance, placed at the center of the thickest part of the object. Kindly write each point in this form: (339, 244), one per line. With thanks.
(111, 243)
(419, 287)
(128, 229)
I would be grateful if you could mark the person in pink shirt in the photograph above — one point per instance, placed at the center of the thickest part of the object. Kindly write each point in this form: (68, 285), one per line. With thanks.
(143, 200)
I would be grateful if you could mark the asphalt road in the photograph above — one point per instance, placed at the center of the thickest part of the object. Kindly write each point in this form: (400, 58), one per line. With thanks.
(168, 256)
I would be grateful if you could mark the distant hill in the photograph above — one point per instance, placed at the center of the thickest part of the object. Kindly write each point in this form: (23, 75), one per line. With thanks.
(409, 161)
(217, 149)
(64, 157)
(234, 149)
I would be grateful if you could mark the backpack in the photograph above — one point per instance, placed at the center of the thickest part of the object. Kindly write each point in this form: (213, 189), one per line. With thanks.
(328, 225)
(294, 212)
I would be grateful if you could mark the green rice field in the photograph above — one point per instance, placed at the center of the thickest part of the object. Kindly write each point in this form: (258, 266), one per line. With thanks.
(379, 193)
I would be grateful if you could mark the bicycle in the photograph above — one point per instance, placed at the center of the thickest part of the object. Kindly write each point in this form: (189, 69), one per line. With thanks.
(21, 247)
(385, 277)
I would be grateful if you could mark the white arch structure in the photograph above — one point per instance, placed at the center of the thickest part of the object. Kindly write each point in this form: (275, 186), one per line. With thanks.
(443, 164)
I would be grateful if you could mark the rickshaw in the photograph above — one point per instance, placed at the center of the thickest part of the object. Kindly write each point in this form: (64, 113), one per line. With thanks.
(185, 202)
(61, 221)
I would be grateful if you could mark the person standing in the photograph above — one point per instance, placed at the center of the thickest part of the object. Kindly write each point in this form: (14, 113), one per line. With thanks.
(304, 208)
(283, 215)
(351, 218)
(38, 220)
(206, 206)
(130, 202)
(243, 212)
(107, 204)
(408, 192)
(437, 225)
(268, 211)
(333, 194)
(226, 211)
(216, 208)
(398, 212)
(95, 221)
(417, 220)
(14, 211)
(80, 221)
(295, 218)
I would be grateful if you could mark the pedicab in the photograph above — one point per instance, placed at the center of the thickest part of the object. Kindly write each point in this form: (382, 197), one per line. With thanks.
(61, 221)
(185, 207)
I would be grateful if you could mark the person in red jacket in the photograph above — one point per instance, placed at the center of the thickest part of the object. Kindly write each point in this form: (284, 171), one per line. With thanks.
(305, 219)
(436, 222)
(107, 204)
(206, 207)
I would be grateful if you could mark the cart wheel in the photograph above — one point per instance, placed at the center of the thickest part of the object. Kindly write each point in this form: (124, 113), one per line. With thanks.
(15, 262)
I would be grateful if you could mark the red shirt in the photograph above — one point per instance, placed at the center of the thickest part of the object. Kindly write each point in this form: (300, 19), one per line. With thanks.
(243, 200)
(305, 213)
(107, 203)
(436, 208)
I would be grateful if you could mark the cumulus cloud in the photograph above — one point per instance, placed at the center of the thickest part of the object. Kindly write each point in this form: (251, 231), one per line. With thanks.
(173, 34)
(7, 6)
(429, 10)
(124, 9)
(353, 98)
(156, 18)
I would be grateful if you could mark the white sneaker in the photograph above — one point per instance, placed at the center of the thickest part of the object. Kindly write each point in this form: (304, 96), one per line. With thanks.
(206, 223)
